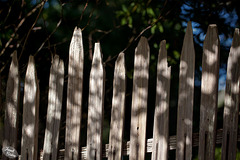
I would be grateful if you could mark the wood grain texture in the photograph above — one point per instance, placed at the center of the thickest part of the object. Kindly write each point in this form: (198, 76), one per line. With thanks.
(95, 106)
(209, 95)
(161, 115)
(139, 101)
(29, 140)
(56, 80)
(118, 110)
(1, 93)
(185, 97)
(12, 105)
(74, 96)
(231, 107)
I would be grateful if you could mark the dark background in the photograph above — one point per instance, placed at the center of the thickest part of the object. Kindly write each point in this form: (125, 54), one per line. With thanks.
(117, 24)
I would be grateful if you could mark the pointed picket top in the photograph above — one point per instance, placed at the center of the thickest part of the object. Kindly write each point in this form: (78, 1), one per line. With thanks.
(231, 107)
(211, 46)
(186, 96)
(95, 106)
(162, 56)
(118, 110)
(209, 94)
(12, 104)
(76, 41)
(120, 65)
(97, 57)
(143, 49)
(139, 101)
(74, 96)
(30, 113)
(161, 115)
(56, 80)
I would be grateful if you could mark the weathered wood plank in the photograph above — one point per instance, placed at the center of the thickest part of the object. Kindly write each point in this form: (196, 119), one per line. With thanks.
(1, 90)
(209, 94)
(74, 96)
(56, 80)
(161, 115)
(231, 107)
(118, 110)
(30, 113)
(139, 101)
(186, 96)
(12, 105)
(95, 106)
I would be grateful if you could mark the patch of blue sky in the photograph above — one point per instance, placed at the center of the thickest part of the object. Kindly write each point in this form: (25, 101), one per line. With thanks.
(221, 80)
(226, 42)
(196, 31)
(230, 18)
(222, 77)
(184, 11)
(35, 2)
(46, 5)
(197, 81)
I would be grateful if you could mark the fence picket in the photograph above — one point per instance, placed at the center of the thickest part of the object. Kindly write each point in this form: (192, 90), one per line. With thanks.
(118, 110)
(186, 96)
(95, 106)
(136, 148)
(12, 105)
(29, 141)
(231, 108)
(74, 97)
(50, 147)
(139, 101)
(161, 115)
(1, 106)
(209, 94)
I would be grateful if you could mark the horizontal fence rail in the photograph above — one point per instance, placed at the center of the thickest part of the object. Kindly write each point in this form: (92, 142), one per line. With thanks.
(149, 145)
(161, 143)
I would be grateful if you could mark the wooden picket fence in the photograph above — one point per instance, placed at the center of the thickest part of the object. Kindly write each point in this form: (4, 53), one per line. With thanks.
(136, 148)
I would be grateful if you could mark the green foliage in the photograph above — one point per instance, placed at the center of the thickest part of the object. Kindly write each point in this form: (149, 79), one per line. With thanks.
(218, 153)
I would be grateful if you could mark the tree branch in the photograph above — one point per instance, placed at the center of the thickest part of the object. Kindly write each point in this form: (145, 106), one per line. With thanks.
(20, 24)
(43, 2)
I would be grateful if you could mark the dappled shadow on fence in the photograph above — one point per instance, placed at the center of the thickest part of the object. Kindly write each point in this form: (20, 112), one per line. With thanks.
(139, 101)
(209, 94)
(95, 106)
(29, 140)
(186, 96)
(50, 147)
(161, 116)
(138, 146)
(231, 106)
(74, 96)
(12, 105)
(118, 110)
